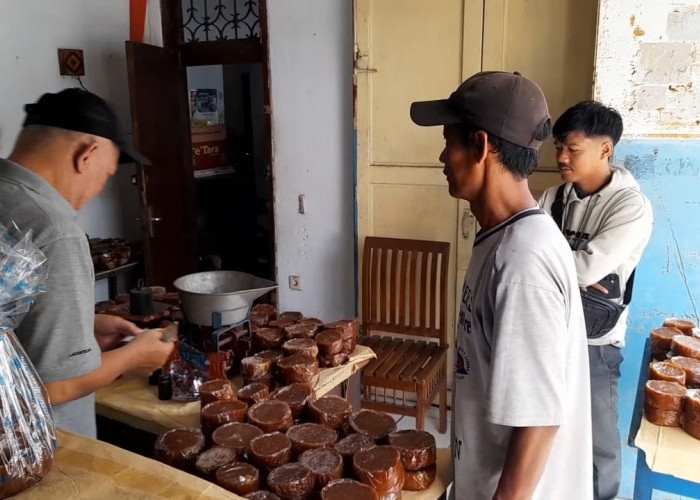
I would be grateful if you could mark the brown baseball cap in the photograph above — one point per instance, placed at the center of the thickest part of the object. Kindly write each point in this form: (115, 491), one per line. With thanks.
(507, 105)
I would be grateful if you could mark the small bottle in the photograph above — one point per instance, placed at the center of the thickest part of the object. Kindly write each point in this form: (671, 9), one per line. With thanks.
(165, 387)
(154, 377)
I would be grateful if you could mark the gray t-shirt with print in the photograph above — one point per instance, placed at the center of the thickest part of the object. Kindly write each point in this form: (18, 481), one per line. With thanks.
(58, 331)
(521, 360)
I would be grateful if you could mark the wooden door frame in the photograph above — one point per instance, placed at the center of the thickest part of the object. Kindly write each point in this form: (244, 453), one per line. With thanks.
(241, 51)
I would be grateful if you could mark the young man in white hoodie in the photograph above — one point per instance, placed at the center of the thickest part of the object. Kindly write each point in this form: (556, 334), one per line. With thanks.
(607, 221)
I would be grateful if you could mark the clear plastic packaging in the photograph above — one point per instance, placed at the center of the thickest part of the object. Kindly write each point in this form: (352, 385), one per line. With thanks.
(27, 432)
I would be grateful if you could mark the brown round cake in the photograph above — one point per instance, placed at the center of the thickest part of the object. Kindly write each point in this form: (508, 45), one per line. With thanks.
(179, 448)
(419, 480)
(259, 319)
(268, 381)
(296, 396)
(269, 451)
(290, 315)
(272, 354)
(298, 368)
(686, 346)
(347, 328)
(293, 481)
(332, 360)
(691, 367)
(325, 463)
(254, 393)
(331, 411)
(329, 342)
(661, 341)
(255, 367)
(664, 370)
(268, 309)
(311, 321)
(261, 495)
(691, 414)
(236, 436)
(271, 416)
(238, 477)
(417, 448)
(683, 325)
(310, 436)
(381, 468)
(300, 331)
(282, 323)
(348, 489)
(376, 425)
(217, 456)
(664, 395)
(218, 413)
(268, 338)
(349, 446)
(304, 346)
(216, 390)
(665, 418)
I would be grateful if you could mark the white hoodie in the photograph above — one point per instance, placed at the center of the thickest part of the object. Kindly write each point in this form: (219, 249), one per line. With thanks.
(608, 232)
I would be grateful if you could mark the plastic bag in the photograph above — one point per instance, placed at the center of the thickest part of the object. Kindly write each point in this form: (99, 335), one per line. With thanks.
(27, 432)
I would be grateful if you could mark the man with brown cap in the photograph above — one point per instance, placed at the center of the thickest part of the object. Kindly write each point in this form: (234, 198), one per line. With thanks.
(521, 423)
(68, 148)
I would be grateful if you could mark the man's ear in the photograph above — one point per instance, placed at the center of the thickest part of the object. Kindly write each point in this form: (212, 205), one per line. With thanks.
(481, 145)
(82, 155)
(606, 150)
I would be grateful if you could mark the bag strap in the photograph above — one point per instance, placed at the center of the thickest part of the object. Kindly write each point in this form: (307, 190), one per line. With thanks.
(558, 206)
(628, 289)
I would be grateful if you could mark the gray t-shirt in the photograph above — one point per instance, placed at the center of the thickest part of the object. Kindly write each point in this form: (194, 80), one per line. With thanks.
(521, 360)
(58, 331)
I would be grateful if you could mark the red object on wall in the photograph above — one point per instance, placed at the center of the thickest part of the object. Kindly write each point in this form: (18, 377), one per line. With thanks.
(137, 13)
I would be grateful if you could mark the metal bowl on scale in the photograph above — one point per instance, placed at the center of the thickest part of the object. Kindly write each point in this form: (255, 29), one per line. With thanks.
(223, 297)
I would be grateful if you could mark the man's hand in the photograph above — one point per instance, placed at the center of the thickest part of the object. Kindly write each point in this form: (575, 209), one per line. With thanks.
(110, 330)
(149, 352)
(595, 286)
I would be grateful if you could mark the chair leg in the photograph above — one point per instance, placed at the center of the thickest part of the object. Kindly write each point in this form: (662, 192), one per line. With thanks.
(421, 403)
(442, 427)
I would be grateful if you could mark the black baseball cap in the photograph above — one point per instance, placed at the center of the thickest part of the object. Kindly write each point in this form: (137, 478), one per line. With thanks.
(82, 111)
(507, 105)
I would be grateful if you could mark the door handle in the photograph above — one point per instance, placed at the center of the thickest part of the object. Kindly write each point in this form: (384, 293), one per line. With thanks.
(467, 223)
(149, 219)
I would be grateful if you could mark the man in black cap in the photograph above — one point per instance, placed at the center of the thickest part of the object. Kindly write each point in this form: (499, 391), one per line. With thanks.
(521, 406)
(69, 146)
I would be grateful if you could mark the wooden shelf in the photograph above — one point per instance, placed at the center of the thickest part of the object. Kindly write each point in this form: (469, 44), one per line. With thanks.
(116, 271)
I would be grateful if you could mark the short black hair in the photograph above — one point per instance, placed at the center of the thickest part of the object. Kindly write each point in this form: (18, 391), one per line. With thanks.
(592, 118)
(518, 160)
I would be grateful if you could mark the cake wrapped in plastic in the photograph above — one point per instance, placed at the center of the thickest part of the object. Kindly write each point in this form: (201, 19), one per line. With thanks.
(27, 432)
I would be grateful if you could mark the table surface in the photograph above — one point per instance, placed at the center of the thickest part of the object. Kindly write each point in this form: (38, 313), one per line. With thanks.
(85, 468)
(130, 400)
(668, 450)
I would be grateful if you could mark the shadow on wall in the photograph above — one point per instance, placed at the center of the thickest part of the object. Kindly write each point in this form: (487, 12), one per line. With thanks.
(668, 277)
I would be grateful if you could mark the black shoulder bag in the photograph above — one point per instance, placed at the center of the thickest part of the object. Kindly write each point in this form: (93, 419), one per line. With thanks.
(601, 313)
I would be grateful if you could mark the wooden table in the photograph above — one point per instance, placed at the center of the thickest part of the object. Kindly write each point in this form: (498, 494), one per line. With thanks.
(85, 468)
(668, 457)
(88, 469)
(131, 401)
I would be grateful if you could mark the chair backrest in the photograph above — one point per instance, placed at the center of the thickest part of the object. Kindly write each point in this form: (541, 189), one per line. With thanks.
(404, 287)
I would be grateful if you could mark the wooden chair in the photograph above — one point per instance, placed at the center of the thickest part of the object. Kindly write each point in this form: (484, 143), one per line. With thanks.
(404, 292)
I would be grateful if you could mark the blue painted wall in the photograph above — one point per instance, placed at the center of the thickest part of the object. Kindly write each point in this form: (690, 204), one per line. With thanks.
(668, 278)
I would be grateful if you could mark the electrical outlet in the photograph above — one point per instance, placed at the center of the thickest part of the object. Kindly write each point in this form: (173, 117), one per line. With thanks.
(294, 283)
(71, 62)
